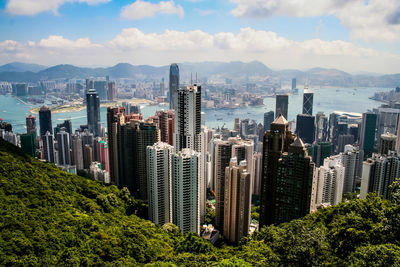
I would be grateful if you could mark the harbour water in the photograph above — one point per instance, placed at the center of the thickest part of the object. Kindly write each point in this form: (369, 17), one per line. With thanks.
(326, 100)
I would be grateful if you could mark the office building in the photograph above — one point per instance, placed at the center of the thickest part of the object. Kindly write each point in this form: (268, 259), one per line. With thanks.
(187, 117)
(329, 183)
(115, 118)
(343, 140)
(236, 126)
(387, 143)
(77, 151)
(294, 84)
(133, 139)
(112, 92)
(93, 112)
(28, 144)
(248, 127)
(367, 134)
(387, 119)
(159, 182)
(319, 151)
(281, 106)
(305, 127)
(378, 173)
(287, 179)
(45, 121)
(64, 153)
(268, 119)
(308, 99)
(185, 190)
(31, 125)
(101, 89)
(173, 84)
(321, 124)
(237, 201)
(48, 147)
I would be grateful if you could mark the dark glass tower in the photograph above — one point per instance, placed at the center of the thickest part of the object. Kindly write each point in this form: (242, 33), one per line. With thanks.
(368, 128)
(173, 83)
(45, 120)
(268, 119)
(281, 107)
(305, 127)
(308, 99)
(93, 112)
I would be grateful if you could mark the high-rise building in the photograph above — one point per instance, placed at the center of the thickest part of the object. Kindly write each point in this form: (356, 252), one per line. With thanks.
(187, 117)
(115, 117)
(305, 127)
(343, 140)
(87, 156)
(321, 122)
(77, 152)
(93, 112)
(268, 119)
(288, 171)
(237, 204)
(111, 93)
(64, 153)
(159, 182)
(351, 159)
(236, 126)
(329, 183)
(28, 144)
(378, 173)
(294, 84)
(101, 89)
(173, 83)
(387, 120)
(48, 147)
(367, 136)
(387, 142)
(281, 106)
(133, 138)
(185, 190)
(31, 125)
(248, 127)
(320, 151)
(45, 121)
(89, 85)
(308, 99)
(257, 172)
(166, 124)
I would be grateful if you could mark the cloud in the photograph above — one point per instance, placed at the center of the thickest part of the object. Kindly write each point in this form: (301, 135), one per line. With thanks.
(373, 20)
(141, 9)
(33, 7)
(137, 47)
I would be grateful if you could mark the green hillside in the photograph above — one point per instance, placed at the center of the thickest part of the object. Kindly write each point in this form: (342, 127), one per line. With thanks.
(52, 218)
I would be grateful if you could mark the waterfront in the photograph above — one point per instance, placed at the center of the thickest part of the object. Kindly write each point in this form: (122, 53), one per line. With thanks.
(326, 100)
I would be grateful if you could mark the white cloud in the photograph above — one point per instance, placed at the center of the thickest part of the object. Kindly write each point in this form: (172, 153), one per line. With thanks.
(136, 47)
(33, 7)
(373, 20)
(141, 9)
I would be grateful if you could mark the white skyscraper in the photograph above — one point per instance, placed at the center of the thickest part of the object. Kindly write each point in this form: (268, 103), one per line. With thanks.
(48, 147)
(64, 153)
(159, 182)
(185, 190)
(329, 179)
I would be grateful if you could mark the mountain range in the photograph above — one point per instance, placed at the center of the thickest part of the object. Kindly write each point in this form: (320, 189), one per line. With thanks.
(238, 72)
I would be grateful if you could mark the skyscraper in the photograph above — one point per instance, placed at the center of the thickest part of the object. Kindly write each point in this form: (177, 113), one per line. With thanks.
(268, 119)
(237, 201)
(387, 142)
(287, 176)
(187, 117)
(166, 124)
(93, 112)
(28, 144)
(305, 127)
(320, 151)
(281, 106)
(64, 153)
(31, 125)
(173, 83)
(133, 139)
(367, 136)
(77, 151)
(185, 191)
(159, 182)
(294, 84)
(48, 147)
(321, 123)
(45, 121)
(115, 117)
(308, 99)
(101, 89)
(111, 93)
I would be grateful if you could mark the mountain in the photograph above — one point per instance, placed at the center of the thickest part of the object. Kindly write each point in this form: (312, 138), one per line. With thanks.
(52, 218)
(21, 67)
(238, 72)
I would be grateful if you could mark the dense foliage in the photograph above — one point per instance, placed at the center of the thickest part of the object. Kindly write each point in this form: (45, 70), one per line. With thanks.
(49, 217)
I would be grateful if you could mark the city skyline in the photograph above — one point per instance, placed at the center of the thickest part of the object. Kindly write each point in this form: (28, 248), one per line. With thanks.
(281, 35)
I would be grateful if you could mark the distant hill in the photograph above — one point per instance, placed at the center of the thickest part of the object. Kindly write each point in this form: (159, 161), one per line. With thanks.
(21, 67)
(239, 72)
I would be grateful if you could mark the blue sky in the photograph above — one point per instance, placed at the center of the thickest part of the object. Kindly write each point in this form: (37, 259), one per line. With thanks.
(349, 35)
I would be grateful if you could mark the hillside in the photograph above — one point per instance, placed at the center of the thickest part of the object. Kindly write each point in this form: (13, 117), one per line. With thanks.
(52, 218)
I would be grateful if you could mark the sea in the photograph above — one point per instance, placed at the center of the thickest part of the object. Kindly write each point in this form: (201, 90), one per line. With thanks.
(326, 100)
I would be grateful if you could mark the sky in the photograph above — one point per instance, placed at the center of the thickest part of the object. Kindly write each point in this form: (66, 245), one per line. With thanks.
(356, 36)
